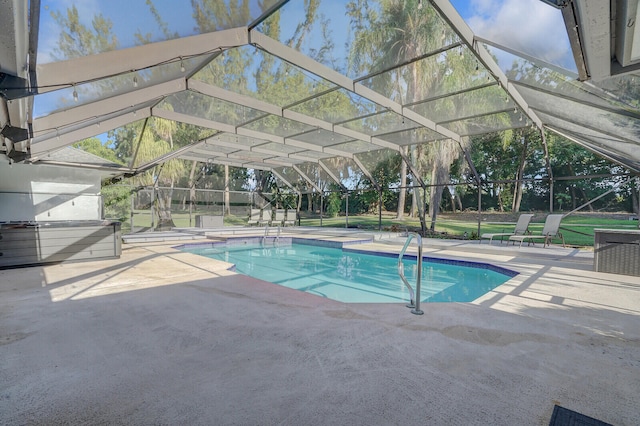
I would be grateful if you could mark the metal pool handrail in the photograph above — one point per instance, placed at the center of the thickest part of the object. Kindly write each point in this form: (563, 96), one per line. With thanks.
(266, 234)
(415, 299)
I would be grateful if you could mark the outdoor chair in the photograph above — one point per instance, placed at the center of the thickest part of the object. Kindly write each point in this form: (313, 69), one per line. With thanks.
(290, 218)
(266, 218)
(522, 226)
(550, 231)
(254, 217)
(279, 217)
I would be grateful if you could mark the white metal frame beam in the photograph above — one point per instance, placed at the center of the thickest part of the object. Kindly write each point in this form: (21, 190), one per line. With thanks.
(106, 106)
(305, 177)
(249, 102)
(54, 140)
(331, 175)
(294, 57)
(286, 182)
(60, 74)
(366, 172)
(599, 150)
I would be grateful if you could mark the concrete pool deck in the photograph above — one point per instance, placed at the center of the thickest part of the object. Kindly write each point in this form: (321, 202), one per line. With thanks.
(164, 337)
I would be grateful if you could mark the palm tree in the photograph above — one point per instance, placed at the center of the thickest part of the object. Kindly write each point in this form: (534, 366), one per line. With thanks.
(404, 30)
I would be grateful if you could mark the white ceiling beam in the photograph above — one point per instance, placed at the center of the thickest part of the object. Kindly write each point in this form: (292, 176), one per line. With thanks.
(169, 156)
(297, 58)
(225, 144)
(236, 98)
(259, 135)
(107, 106)
(412, 115)
(338, 152)
(172, 115)
(304, 145)
(366, 172)
(311, 121)
(305, 177)
(190, 119)
(267, 151)
(286, 182)
(247, 101)
(55, 75)
(384, 144)
(331, 174)
(300, 156)
(350, 133)
(280, 161)
(53, 141)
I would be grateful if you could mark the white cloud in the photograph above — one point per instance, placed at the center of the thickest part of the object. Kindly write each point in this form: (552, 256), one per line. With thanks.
(529, 26)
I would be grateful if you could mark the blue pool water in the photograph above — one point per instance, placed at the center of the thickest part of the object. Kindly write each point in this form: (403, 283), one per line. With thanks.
(350, 276)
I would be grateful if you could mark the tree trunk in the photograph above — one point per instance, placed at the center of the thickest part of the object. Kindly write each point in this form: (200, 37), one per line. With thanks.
(227, 206)
(192, 185)
(403, 182)
(584, 195)
(453, 201)
(500, 202)
(574, 201)
(165, 220)
(459, 200)
(414, 202)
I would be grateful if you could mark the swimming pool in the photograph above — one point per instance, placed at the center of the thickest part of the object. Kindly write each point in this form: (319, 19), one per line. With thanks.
(353, 276)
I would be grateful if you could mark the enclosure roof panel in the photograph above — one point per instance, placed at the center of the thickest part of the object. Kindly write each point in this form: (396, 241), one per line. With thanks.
(277, 83)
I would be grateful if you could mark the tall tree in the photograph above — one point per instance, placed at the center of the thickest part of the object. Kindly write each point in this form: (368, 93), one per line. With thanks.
(389, 34)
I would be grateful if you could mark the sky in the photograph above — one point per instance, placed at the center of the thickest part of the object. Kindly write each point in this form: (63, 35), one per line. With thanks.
(529, 26)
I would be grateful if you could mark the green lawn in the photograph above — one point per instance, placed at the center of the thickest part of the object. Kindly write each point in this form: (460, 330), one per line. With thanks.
(577, 229)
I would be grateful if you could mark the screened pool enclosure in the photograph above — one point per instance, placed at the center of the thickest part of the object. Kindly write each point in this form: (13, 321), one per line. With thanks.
(326, 107)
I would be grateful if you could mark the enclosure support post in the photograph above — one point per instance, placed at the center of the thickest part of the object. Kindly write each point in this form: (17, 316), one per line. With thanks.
(638, 212)
(321, 206)
(423, 222)
(547, 161)
(132, 200)
(479, 207)
(153, 202)
(346, 210)
(380, 210)
(190, 211)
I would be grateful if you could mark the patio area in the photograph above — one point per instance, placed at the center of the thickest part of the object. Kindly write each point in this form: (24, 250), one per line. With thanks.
(164, 337)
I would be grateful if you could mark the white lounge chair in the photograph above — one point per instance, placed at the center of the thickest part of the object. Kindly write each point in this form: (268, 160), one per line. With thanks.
(266, 218)
(254, 217)
(522, 225)
(550, 231)
(279, 217)
(290, 218)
